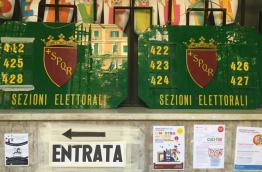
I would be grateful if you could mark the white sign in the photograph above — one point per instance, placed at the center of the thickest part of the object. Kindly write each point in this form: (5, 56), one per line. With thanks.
(16, 149)
(92, 154)
(169, 147)
(209, 146)
(248, 154)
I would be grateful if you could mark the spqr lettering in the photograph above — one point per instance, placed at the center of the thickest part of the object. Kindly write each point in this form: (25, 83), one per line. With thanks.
(60, 62)
(202, 65)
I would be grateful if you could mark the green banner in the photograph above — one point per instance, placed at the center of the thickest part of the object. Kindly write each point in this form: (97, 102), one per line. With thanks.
(62, 66)
(200, 68)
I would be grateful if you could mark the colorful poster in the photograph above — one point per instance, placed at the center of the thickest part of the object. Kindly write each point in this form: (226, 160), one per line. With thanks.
(99, 10)
(121, 18)
(7, 9)
(163, 9)
(209, 146)
(65, 14)
(142, 20)
(196, 17)
(109, 9)
(29, 9)
(231, 7)
(148, 3)
(248, 148)
(85, 11)
(169, 147)
(16, 149)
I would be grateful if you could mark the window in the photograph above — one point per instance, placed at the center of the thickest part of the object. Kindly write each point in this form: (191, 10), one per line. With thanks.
(125, 48)
(96, 34)
(115, 48)
(114, 34)
(95, 48)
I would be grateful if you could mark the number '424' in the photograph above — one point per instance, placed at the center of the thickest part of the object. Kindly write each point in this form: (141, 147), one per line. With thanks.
(159, 80)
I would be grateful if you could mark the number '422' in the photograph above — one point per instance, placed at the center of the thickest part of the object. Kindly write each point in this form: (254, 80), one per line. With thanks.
(159, 50)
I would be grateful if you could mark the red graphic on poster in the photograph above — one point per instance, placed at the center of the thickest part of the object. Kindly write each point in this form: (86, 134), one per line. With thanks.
(258, 140)
(65, 14)
(121, 18)
(5, 6)
(220, 129)
(60, 63)
(175, 13)
(110, 5)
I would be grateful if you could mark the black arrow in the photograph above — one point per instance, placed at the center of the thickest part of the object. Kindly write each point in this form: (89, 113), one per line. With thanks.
(69, 134)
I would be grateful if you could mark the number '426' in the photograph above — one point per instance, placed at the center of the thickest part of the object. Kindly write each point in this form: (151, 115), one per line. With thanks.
(240, 66)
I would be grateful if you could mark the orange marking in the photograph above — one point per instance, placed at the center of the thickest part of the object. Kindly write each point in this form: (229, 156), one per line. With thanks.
(227, 4)
(63, 12)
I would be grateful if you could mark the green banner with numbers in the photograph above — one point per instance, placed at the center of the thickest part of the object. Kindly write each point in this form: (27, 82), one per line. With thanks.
(200, 68)
(62, 66)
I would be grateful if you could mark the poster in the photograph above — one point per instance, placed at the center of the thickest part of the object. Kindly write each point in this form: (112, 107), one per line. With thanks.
(29, 10)
(109, 10)
(209, 146)
(147, 4)
(196, 17)
(65, 14)
(142, 20)
(121, 18)
(85, 11)
(169, 147)
(16, 149)
(230, 5)
(7, 9)
(248, 149)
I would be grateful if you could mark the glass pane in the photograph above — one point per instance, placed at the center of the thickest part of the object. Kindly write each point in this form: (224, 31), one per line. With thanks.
(142, 20)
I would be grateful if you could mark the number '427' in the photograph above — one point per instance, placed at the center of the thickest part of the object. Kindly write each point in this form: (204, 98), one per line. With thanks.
(239, 81)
